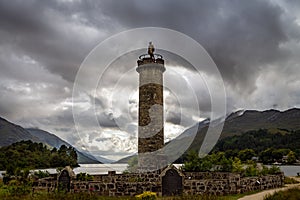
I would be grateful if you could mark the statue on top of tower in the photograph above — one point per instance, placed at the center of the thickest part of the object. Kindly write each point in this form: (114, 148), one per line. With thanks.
(151, 50)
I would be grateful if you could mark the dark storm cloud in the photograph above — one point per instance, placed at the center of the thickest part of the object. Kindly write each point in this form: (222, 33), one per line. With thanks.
(241, 36)
(21, 16)
(254, 44)
(178, 118)
(67, 130)
(107, 120)
(51, 33)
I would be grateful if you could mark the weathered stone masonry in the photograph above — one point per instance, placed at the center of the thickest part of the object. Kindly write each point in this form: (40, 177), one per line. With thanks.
(193, 183)
(151, 118)
(219, 183)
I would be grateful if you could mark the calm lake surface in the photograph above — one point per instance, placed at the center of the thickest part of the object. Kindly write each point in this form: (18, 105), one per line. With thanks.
(290, 170)
(94, 169)
(100, 168)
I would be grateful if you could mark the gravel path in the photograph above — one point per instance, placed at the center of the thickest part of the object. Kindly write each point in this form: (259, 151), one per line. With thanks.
(260, 195)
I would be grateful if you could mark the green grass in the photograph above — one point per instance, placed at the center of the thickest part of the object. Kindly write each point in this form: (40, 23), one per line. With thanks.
(288, 180)
(61, 196)
(86, 196)
(290, 194)
(236, 196)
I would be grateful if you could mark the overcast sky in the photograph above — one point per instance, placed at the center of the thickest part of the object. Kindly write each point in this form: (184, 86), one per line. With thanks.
(255, 45)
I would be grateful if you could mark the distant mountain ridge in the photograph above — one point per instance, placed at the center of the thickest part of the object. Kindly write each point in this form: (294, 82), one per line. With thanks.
(236, 123)
(252, 119)
(11, 133)
(54, 141)
(240, 122)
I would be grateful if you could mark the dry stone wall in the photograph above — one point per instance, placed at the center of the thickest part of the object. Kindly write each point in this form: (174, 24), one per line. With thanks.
(120, 184)
(193, 183)
(228, 183)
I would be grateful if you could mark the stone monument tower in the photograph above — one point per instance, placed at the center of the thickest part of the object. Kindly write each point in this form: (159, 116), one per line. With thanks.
(151, 111)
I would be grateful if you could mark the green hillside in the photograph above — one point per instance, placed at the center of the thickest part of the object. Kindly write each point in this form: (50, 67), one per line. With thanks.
(11, 133)
(237, 124)
(32, 155)
(260, 140)
(54, 141)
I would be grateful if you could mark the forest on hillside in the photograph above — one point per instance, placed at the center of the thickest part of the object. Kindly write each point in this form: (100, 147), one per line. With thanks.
(268, 146)
(32, 155)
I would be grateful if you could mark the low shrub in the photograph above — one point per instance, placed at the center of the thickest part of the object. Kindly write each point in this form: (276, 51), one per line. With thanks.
(146, 196)
(17, 189)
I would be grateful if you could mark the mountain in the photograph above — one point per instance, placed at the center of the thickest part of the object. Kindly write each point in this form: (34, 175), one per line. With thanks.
(126, 159)
(269, 119)
(54, 141)
(12, 133)
(240, 122)
(236, 123)
(97, 157)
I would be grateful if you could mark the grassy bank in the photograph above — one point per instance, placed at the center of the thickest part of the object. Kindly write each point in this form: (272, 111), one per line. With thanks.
(290, 194)
(85, 196)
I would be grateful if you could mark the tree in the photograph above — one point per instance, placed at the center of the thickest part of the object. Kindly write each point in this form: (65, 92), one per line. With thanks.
(26, 154)
(237, 165)
(54, 150)
(72, 156)
(63, 150)
(212, 162)
(193, 162)
(266, 156)
(132, 165)
(291, 157)
(246, 154)
(277, 154)
(231, 153)
(251, 170)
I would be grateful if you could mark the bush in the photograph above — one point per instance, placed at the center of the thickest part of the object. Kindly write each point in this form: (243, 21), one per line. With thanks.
(15, 188)
(41, 174)
(274, 170)
(84, 177)
(146, 196)
(132, 165)
(251, 170)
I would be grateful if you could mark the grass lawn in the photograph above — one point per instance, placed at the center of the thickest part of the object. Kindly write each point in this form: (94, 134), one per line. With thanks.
(290, 194)
(237, 196)
(44, 196)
